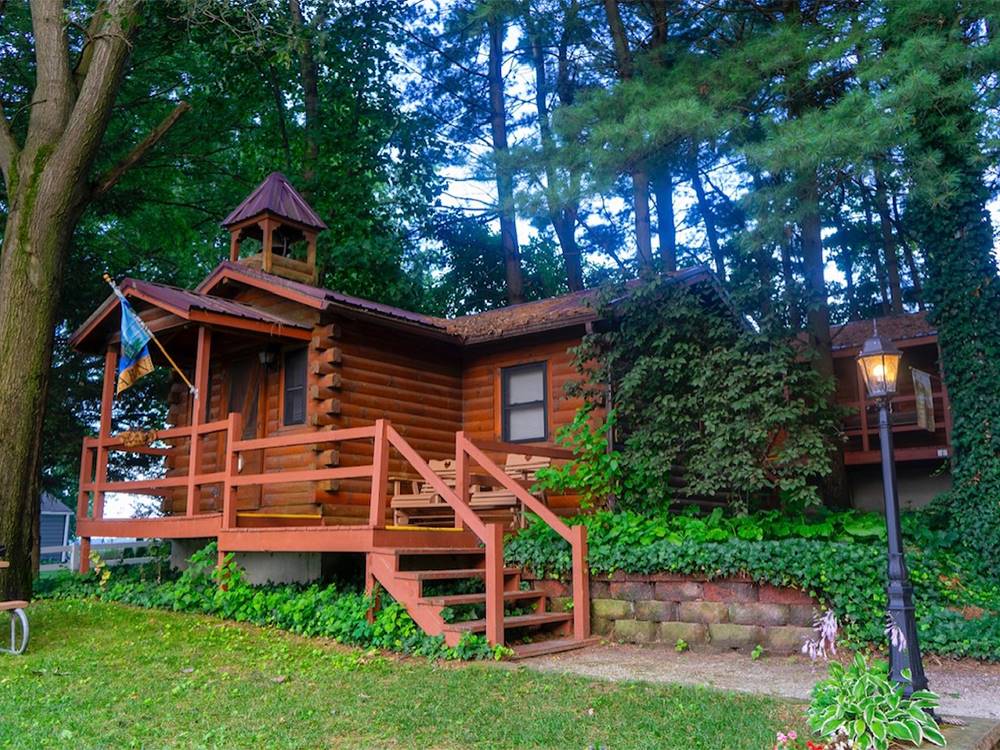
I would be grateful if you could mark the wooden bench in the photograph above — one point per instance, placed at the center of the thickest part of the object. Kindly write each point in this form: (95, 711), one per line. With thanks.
(421, 505)
(18, 617)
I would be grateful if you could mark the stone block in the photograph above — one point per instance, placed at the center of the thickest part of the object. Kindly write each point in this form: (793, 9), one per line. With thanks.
(786, 639)
(727, 635)
(654, 611)
(694, 634)
(678, 591)
(632, 591)
(614, 609)
(755, 613)
(782, 595)
(703, 612)
(551, 587)
(730, 591)
(634, 631)
(601, 625)
(801, 614)
(600, 589)
(561, 604)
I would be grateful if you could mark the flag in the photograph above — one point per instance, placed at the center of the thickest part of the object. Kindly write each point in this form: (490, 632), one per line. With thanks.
(135, 360)
(924, 398)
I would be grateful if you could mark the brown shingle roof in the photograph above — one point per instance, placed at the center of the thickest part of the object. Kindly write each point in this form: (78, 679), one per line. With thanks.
(895, 327)
(276, 195)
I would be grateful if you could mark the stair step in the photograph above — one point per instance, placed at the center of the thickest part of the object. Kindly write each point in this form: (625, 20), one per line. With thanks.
(554, 646)
(520, 621)
(444, 575)
(454, 600)
(440, 551)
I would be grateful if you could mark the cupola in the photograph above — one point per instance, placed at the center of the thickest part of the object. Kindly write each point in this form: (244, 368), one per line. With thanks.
(283, 224)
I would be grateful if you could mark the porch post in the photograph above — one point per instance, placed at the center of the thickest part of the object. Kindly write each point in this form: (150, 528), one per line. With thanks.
(380, 476)
(461, 474)
(107, 403)
(198, 408)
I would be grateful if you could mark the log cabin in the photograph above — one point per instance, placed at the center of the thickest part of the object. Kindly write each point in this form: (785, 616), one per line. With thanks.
(311, 408)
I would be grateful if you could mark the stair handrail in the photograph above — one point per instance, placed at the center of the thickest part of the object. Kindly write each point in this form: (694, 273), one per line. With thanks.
(575, 535)
(463, 512)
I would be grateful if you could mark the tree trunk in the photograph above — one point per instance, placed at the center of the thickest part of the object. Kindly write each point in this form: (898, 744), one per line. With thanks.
(888, 245)
(666, 225)
(504, 175)
(874, 257)
(47, 191)
(789, 282)
(707, 217)
(911, 262)
(310, 91)
(638, 169)
(561, 215)
(818, 316)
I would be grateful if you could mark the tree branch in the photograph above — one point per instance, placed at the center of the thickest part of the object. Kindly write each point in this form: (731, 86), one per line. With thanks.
(87, 53)
(8, 149)
(107, 180)
(52, 99)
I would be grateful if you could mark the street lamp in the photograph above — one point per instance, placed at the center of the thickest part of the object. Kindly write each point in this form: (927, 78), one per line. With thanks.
(879, 362)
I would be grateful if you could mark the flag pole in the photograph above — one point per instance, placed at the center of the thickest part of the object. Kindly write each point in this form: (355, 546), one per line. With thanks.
(145, 328)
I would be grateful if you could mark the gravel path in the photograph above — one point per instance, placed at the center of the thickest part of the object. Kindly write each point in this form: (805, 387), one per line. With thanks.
(967, 688)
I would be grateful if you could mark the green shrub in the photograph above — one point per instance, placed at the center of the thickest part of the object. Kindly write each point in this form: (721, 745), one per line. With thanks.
(859, 702)
(837, 557)
(313, 610)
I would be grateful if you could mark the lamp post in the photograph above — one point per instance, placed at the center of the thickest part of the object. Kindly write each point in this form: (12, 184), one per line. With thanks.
(879, 363)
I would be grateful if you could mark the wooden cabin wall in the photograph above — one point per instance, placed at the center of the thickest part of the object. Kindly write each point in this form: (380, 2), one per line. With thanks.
(481, 395)
(385, 374)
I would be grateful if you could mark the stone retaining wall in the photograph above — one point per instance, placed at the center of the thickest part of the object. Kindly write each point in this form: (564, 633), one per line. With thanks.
(728, 613)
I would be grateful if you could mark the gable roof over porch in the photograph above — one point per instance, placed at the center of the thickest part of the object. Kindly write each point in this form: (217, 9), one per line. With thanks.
(181, 306)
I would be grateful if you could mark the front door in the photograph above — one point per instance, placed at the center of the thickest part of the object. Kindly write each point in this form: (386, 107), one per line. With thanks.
(246, 377)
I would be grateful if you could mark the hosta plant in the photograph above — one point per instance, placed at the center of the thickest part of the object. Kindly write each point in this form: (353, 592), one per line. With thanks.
(862, 703)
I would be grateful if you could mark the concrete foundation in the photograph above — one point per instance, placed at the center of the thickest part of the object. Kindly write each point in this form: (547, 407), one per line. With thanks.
(918, 484)
(260, 567)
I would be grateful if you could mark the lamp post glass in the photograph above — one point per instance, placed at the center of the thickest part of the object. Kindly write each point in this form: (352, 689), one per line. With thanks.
(879, 364)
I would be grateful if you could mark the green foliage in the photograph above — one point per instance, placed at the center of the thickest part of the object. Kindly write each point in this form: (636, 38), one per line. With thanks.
(859, 702)
(312, 610)
(681, 646)
(595, 472)
(838, 558)
(758, 651)
(741, 416)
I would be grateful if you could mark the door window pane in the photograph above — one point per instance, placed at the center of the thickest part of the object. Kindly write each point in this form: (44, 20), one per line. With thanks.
(295, 387)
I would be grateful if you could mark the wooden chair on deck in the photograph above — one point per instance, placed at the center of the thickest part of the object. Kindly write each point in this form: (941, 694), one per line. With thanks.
(523, 469)
(415, 500)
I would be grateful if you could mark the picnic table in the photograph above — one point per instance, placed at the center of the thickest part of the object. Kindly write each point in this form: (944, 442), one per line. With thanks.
(17, 618)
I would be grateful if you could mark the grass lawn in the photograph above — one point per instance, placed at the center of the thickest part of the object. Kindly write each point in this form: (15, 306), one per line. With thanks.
(107, 676)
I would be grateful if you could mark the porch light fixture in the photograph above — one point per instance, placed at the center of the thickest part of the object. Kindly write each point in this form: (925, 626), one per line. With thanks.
(879, 361)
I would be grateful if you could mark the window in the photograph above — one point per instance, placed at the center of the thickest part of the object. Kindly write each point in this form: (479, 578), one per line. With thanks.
(524, 403)
(295, 387)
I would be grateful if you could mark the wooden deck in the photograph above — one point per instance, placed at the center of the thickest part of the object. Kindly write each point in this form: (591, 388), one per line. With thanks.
(398, 558)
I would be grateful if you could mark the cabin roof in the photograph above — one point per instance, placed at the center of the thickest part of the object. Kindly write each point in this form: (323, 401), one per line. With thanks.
(185, 304)
(561, 311)
(277, 196)
(901, 327)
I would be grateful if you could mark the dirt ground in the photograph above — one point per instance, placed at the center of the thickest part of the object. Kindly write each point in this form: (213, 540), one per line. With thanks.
(967, 688)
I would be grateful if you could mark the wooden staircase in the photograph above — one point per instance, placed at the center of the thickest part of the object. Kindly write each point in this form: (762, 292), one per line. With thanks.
(527, 624)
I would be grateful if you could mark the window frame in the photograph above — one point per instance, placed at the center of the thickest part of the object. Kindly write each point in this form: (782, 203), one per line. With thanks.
(506, 408)
(283, 391)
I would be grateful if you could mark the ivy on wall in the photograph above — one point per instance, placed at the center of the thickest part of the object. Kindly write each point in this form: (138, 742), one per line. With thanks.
(738, 414)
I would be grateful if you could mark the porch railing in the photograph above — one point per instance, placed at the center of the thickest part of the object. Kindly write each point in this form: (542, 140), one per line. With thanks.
(385, 438)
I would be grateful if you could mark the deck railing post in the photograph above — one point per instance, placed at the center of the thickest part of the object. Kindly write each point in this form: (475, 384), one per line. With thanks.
(494, 584)
(198, 409)
(380, 475)
(462, 474)
(234, 431)
(581, 583)
(107, 402)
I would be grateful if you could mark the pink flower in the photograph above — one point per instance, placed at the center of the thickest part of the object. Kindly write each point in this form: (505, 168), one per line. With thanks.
(793, 735)
(781, 737)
